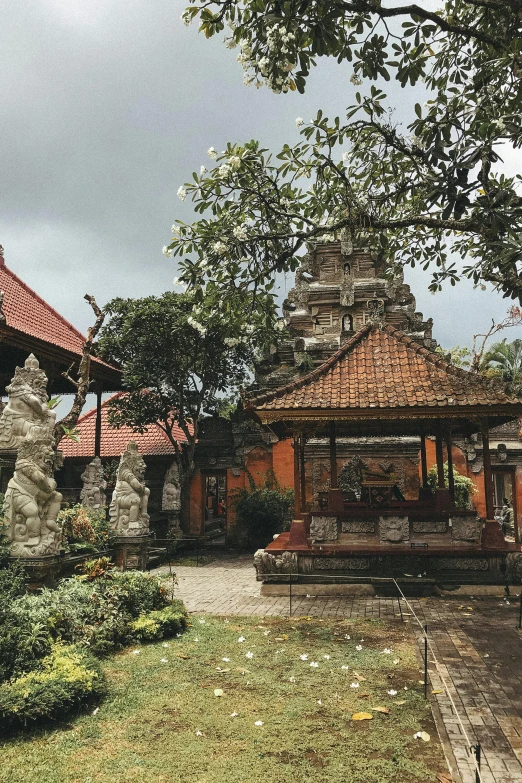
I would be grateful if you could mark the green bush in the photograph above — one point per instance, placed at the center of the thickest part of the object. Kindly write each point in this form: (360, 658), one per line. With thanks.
(66, 680)
(84, 528)
(260, 514)
(161, 623)
(464, 486)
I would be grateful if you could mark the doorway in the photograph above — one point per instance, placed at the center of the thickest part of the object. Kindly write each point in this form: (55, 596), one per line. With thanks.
(215, 508)
(505, 500)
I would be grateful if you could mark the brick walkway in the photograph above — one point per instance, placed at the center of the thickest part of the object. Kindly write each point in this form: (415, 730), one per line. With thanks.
(479, 650)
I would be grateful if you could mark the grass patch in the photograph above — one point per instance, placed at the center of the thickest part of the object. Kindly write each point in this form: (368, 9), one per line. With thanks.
(162, 721)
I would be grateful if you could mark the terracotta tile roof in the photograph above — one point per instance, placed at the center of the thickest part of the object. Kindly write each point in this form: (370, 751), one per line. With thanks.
(383, 368)
(29, 314)
(154, 442)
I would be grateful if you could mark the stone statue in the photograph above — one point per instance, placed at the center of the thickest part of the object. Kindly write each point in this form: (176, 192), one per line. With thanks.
(31, 502)
(128, 509)
(266, 563)
(171, 499)
(27, 404)
(94, 485)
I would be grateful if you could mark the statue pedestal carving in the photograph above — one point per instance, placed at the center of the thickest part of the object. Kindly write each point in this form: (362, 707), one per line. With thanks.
(131, 553)
(41, 571)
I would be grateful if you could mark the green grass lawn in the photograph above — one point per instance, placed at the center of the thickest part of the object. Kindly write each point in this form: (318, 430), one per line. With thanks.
(162, 721)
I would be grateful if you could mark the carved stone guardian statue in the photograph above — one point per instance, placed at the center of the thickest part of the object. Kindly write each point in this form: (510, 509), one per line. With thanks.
(128, 509)
(27, 404)
(171, 498)
(94, 485)
(31, 502)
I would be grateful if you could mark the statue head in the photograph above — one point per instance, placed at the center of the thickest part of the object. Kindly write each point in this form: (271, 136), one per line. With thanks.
(29, 378)
(38, 447)
(132, 460)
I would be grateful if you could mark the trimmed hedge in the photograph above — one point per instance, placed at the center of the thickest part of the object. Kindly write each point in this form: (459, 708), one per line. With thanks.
(67, 680)
(160, 624)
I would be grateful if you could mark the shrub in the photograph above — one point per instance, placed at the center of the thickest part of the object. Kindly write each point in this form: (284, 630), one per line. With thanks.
(260, 514)
(84, 527)
(67, 679)
(161, 623)
(464, 486)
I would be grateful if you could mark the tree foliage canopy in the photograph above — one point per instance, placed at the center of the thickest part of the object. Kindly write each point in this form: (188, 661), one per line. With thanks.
(175, 369)
(412, 193)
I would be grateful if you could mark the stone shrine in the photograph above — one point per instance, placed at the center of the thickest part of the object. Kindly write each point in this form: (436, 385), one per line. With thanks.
(94, 485)
(128, 515)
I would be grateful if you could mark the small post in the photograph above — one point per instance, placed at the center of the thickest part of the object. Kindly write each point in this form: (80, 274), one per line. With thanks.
(477, 751)
(197, 551)
(290, 594)
(425, 661)
(399, 602)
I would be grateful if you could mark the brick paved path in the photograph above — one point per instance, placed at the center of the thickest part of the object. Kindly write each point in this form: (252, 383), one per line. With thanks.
(479, 651)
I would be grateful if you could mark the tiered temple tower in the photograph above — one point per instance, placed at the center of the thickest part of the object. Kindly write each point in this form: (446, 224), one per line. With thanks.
(335, 294)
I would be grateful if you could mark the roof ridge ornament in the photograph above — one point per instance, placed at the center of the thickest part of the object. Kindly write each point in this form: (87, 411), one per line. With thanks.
(375, 311)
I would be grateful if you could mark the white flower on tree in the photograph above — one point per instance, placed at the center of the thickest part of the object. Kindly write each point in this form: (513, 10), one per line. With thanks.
(219, 248)
(182, 193)
(240, 232)
(211, 152)
(299, 121)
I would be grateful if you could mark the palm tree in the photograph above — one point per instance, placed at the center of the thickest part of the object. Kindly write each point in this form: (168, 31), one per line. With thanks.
(506, 358)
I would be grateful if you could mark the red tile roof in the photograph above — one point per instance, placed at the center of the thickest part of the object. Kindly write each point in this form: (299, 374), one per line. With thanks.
(29, 314)
(154, 442)
(383, 368)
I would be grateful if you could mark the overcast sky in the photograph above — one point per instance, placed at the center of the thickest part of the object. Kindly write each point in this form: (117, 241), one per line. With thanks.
(106, 107)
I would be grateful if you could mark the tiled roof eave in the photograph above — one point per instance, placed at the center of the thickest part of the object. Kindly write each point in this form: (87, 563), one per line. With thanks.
(376, 412)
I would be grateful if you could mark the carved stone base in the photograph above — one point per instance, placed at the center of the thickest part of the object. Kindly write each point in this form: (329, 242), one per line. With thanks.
(131, 552)
(41, 571)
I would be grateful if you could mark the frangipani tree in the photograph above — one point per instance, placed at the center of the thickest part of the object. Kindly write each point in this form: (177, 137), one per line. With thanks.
(412, 194)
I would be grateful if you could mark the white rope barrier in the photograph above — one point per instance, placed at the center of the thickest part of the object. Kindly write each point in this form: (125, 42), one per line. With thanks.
(444, 683)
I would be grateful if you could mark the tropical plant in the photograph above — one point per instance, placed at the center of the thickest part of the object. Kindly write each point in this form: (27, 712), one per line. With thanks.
(84, 527)
(464, 486)
(261, 512)
(506, 359)
(410, 194)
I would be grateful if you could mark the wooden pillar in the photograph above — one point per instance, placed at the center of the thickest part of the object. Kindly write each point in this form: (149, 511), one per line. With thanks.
(302, 472)
(98, 426)
(440, 459)
(451, 481)
(424, 460)
(297, 480)
(333, 458)
(488, 478)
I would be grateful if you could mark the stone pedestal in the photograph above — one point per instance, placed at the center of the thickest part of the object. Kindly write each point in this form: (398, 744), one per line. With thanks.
(297, 538)
(492, 535)
(42, 571)
(131, 552)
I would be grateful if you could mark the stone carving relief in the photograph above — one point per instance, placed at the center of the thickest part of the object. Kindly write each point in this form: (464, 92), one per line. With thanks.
(394, 529)
(477, 465)
(266, 563)
(514, 567)
(323, 529)
(429, 526)
(358, 526)
(128, 509)
(502, 452)
(318, 485)
(31, 502)
(375, 311)
(27, 404)
(341, 563)
(94, 485)
(466, 529)
(171, 497)
(351, 476)
(460, 564)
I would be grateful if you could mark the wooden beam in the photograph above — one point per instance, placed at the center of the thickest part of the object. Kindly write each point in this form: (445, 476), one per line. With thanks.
(441, 484)
(302, 471)
(297, 480)
(488, 478)
(98, 426)
(424, 459)
(333, 458)
(451, 481)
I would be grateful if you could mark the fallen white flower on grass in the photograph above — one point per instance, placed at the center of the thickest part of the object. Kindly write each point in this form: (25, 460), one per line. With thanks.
(196, 639)
(354, 685)
(95, 711)
(165, 644)
(258, 723)
(241, 639)
(396, 660)
(358, 647)
(201, 622)
(164, 660)
(227, 660)
(320, 703)
(386, 651)
(234, 715)
(392, 692)
(304, 657)
(314, 664)
(218, 692)
(265, 633)
(136, 652)
(423, 735)
(292, 679)
(249, 655)
(345, 667)
(326, 657)
(347, 636)
(199, 733)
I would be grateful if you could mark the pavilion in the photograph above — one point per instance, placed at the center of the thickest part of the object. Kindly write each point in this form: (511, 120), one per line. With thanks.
(29, 325)
(384, 383)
